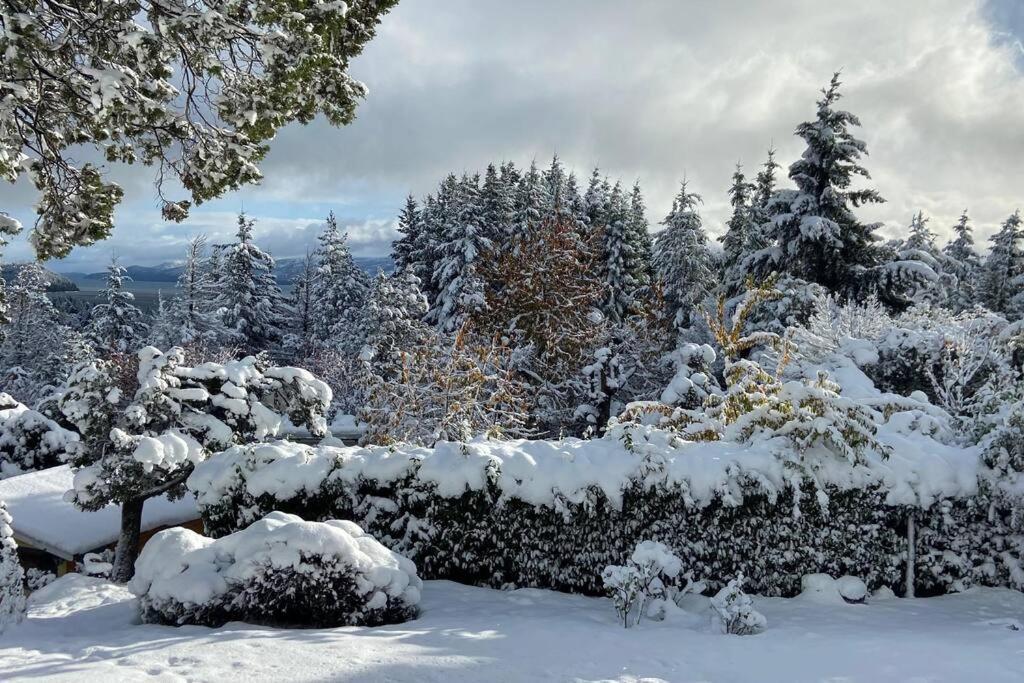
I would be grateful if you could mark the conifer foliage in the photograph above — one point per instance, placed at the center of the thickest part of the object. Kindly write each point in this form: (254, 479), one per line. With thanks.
(12, 590)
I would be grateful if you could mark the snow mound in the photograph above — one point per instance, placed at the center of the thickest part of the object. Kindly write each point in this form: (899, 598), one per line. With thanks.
(279, 570)
(825, 589)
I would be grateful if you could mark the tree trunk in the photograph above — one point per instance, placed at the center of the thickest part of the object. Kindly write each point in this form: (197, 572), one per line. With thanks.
(911, 555)
(128, 542)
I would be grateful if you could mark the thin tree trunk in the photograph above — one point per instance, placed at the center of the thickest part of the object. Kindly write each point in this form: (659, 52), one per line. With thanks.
(911, 555)
(128, 542)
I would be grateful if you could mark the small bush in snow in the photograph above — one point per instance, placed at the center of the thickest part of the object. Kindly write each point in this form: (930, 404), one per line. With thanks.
(36, 578)
(734, 610)
(639, 582)
(281, 571)
(12, 592)
(28, 439)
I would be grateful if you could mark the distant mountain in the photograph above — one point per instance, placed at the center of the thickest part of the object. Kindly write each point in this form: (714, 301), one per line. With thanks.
(55, 281)
(286, 271)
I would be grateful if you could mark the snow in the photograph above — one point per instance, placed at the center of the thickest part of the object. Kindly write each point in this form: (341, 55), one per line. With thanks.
(81, 628)
(36, 503)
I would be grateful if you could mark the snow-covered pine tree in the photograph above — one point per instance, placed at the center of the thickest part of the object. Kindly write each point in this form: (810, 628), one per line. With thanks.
(300, 340)
(1004, 266)
(965, 263)
(813, 233)
(117, 325)
(457, 279)
(921, 246)
(145, 424)
(640, 266)
(616, 257)
(251, 305)
(497, 206)
(410, 226)
(38, 349)
(532, 199)
(557, 204)
(12, 578)
(682, 260)
(393, 320)
(739, 234)
(187, 319)
(339, 292)
(8, 226)
(595, 202)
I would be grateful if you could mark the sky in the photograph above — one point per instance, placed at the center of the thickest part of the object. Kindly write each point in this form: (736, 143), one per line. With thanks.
(652, 90)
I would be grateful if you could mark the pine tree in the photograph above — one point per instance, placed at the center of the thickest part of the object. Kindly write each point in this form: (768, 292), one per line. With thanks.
(682, 260)
(921, 237)
(595, 202)
(392, 319)
(117, 326)
(405, 248)
(300, 340)
(339, 292)
(966, 265)
(497, 206)
(145, 425)
(1004, 267)
(38, 348)
(188, 319)
(617, 257)
(532, 198)
(252, 307)
(739, 234)
(557, 203)
(459, 284)
(640, 266)
(12, 578)
(813, 233)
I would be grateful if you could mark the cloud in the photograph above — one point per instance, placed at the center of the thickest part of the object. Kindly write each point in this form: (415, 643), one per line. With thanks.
(650, 91)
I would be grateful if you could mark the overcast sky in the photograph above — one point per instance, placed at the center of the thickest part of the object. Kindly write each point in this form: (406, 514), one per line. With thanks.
(647, 90)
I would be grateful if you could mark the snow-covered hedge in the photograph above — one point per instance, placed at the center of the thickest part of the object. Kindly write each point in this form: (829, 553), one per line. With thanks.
(28, 439)
(554, 513)
(281, 570)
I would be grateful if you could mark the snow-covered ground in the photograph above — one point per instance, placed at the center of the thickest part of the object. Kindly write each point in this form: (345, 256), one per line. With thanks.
(86, 629)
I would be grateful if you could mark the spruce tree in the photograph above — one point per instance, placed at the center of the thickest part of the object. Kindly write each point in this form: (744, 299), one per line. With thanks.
(251, 305)
(640, 266)
(813, 233)
(682, 260)
(460, 287)
(117, 325)
(617, 257)
(965, 263)
(189, 318)
(339, 292)
(300, 340)
(497, 205)
(739, 234)
(554, 190)
(405, 248)
(392, 319)
(1001, 275)
(532, 199)
(921, 237)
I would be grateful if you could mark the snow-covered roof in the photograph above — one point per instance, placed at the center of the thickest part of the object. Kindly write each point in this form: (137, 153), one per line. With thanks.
(42, 518)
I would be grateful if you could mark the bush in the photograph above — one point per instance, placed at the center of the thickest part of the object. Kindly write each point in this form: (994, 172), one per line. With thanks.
(551, 514)
(734, 610)
(279, 571)
(640, 581)
(28, 439)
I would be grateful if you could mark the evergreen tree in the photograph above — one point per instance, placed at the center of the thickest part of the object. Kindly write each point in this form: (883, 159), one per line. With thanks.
(339, 293)
(405, 248)
(12, 578)
(640, 266)
(392, 318)
(1004, 267)
(532, 199)
(497, 206)
(965, 263)
(595, 202)
(250, 302)
(739, 234)
(557, 204)
(117, 326)
(682, 260)
(300, 340)
(460, 287)
(813, 233)
(188, 319)
(617, 257)
(921, 237)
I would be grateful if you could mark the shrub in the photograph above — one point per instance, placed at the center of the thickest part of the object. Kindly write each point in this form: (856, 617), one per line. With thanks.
(640, 580)
(279, 571)
(28, 439)
(734, 610)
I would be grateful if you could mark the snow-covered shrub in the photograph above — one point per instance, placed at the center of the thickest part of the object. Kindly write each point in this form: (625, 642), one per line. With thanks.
(733, 610)
(693, 381)
(281, 570)
(12, 590)
(28, 439)
(545, 513)
(36, 578)
(98, 564)
(638, 582)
